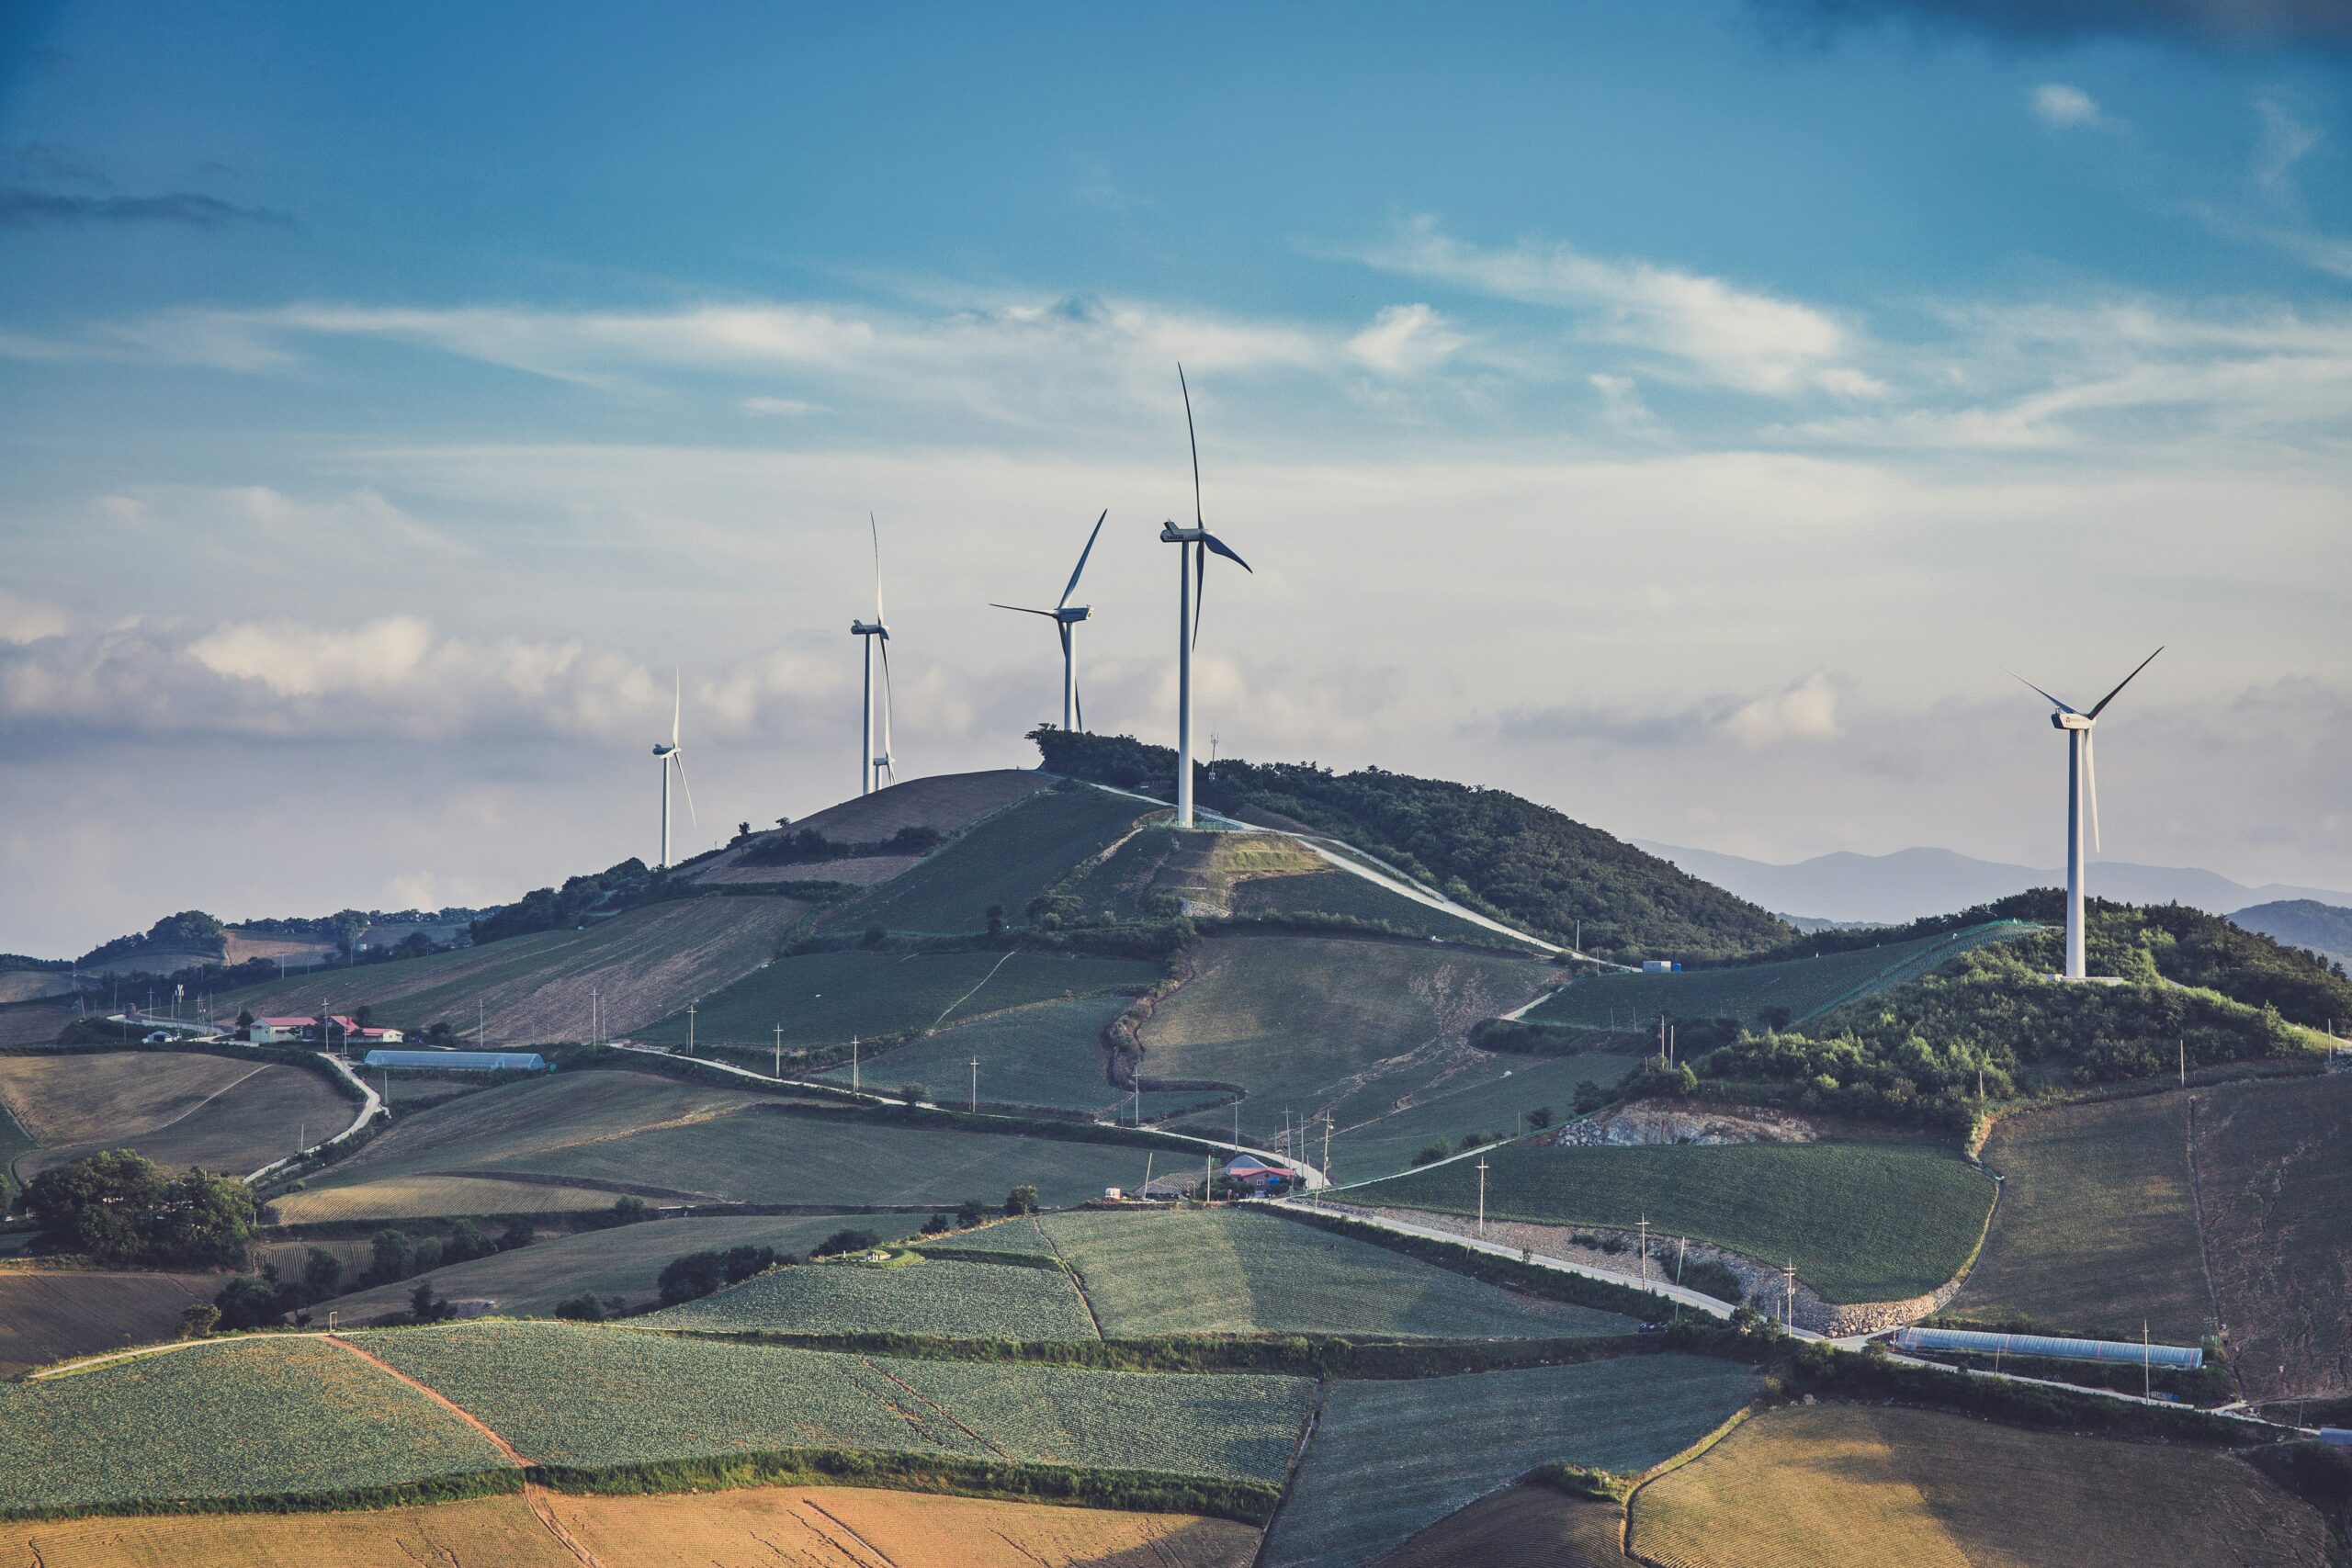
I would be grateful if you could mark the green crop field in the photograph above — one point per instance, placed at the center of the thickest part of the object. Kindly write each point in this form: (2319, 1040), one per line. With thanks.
(241, 1419)
(1301, 1021)
(583, 1396)
(1806, 986)
(1233, 1271)
(2097, 1227)
(1864, 1221)
(624, 1261)
(944, 1297)
(823, 999)
(1023, 1237)
(1049, 1055)
(1007, 859)
(1836, 1484)
(1388, 1459)
(1484, 1093)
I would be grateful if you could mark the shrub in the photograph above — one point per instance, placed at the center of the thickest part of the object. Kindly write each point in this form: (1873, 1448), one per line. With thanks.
(581, 1308)
(197, 1321)
(843, 1241)
(687, 1278)
(911, 1093)
(1713, 1278)
(1021, 1199)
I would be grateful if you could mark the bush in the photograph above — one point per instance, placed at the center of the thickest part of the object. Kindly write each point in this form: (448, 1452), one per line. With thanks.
(843, 1241)
(1021, 1199)
(911, 1093)
(690, 1278)
(197, 1321)
(581, 1308)
(1713, 1278)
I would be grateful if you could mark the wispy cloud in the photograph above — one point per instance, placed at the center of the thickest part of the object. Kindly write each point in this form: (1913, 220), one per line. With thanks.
(2065, 108)
(23, 208)
(2287, 140)
(1405, 340)
(2228, 23)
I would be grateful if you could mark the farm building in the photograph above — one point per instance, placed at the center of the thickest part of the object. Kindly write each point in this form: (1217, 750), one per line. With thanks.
(1257, 1174)
(2171, 1357)
(462, 1061)
(341, 1030)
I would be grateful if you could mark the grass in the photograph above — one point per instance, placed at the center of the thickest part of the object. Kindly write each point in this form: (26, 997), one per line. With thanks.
(240, 1420)
(179, 1110)
(52, 1315)
(1864, 1221)
(500, 1529)
(1304, 1020)
(388, 1198)
(822, 998)
(1050, 1054)
(951, 1300)
(1806, 986)
(1332, 892)
(1838, 1484)
(1389, 1458)
(2097, 1227)
(624, 1261)
(2276, 1193)
(1005, 860)
(643, 964)
(1232, 1271)
(587, 1397)
(1487, 1094)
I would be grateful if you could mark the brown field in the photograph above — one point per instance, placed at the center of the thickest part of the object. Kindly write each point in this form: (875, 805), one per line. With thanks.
(2274, 1175)
(1527, 1526)
(1840, 1484)
(2096, 1226)
(239, 948)
(433, 1197)
(950, 803)
(644, 966)
(858, 871)
(179, 1110)
(765, 1526)
(48, 1315)
(31, 985)
(34, 1024)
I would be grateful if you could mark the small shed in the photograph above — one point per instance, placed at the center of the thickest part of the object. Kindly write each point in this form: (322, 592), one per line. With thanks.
(1256, 1174)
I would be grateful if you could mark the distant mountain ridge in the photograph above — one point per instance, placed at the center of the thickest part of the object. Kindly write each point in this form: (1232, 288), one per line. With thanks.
(2326, 929)
(1910, 883)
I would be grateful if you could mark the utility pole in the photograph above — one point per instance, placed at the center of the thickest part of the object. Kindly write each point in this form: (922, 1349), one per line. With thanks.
(973, 1104)
(852, 1064)
(1644, 1223)
(690, 1029)
(1326, 1145)
(482, 1023)
(2184, 1061)
(2147, 1379)
(779, 1050)
(1789, 1296)
(1482, 1197)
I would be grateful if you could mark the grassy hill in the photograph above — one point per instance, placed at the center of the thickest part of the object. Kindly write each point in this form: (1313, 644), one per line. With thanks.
(1507, 857)
(1001, 863)
(1836, 1484)
(179, 1108)
(2307, 923)
(1049, 1055)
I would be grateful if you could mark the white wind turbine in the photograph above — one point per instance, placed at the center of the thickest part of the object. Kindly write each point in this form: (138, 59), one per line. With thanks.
(673, 755)
(1195, 543)
(872, 765)
(2082, 790)
(1066, 616)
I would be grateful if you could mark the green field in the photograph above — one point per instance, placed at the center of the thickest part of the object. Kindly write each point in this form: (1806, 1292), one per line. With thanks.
(2096, 1228)
(1864, 1221)
(1836, 1484)
(1804, 987)
(823, 999)
(241, 1419)
(1345, 894)
(1485, 1094)
(1388, 1459)
(1301, 1021)
(952, 1300)
(1050, 1054)
(1233, 1271)
(589, 1398)
(1006, 860)
(624, 1261)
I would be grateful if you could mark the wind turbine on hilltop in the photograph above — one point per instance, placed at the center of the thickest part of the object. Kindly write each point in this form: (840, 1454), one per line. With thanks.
(674, 755)
(1066, 616)
(2082, 789)
(872, 765)
(1193, 557)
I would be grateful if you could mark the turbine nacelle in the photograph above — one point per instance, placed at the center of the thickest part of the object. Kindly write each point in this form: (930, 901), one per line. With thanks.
(869, 628)
(664, 750)
(2070, 721)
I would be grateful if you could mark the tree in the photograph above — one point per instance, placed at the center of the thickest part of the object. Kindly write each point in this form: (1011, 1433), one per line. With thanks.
(845, 1241)
(687, 1278)
(424, 1306)
(971, 1213)
(197, 1321)
(518, 1233)
(1539, 1117)
(321, 1273)
(629, 1208)
(996, 920)
(911, 1093)
(465, 1242)
(247, 1301)
(391, 1257)
(1021, 1199)
(120, 1207)
(581, 1308)
(244, 1017)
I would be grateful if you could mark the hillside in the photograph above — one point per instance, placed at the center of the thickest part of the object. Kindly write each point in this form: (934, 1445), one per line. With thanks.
(1488, 849)
(2323, 929)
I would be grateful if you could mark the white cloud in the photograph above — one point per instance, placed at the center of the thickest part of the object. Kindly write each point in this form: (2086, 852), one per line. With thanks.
(26, 620)
(2286, 141)
(2064, 107)
(1621, 401)
(1406, 340)
(1729, 335)
(1806, 711)
(785, 408)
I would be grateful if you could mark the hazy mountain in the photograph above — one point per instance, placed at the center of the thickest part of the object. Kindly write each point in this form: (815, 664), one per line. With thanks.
(2326, 929)
(1911, 883)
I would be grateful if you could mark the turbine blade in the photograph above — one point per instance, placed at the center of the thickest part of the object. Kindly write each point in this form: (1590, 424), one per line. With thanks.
(889, 761)
(677, 705)
(1081, 559)
(2030, 686)
(1221, 548)
(2090, 782)
(1078, 695)
(2101, 705)
(680, 758)
(875, 529)
(1024, 610)
(1063, 628)
(1200, 587)
(1194, 436)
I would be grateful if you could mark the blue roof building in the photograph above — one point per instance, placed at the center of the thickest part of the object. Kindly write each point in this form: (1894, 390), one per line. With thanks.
(462, 1061)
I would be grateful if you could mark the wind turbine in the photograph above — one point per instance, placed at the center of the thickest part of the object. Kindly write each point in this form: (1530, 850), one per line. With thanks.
(2082, 789)
(873, 764)
(673, 754)
(1066, 616)
(1192, 555)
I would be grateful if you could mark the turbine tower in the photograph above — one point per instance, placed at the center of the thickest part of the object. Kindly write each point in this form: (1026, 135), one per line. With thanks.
(2082, 791)
(1194, 545)
(673, 754)
(872, 764)
(1066, 616)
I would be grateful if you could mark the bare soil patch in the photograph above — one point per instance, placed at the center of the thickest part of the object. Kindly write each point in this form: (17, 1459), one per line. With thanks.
(479, 1531)
(48, 1315)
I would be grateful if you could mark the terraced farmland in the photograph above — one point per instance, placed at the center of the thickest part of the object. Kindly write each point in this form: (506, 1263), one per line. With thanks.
(1804, 987)
(1389, 1458)
(1233, 1271)
(241, 1420)
(823, 999)
(2096, 1228)
(1483, 1093)
(592, 1397)
(953, 1300)
(1838, 1484)
(48, 1315)
(1864, 1221)
(1006, 860)
(1050, 1054)
(179, 1108)
(946, 803)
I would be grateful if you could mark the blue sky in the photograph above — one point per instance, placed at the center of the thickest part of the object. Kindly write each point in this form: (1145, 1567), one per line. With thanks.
(1674, 413)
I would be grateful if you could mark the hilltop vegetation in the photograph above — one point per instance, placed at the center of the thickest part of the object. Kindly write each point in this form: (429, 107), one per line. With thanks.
(2321, 929)
(1486, 849)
